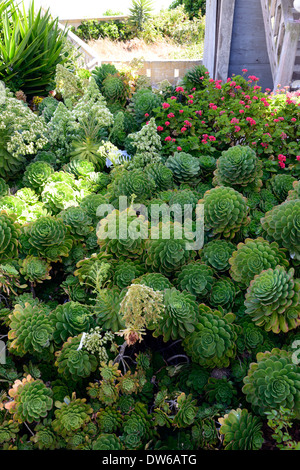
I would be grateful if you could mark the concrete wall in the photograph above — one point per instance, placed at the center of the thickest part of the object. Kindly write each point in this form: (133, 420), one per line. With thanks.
(158, 70)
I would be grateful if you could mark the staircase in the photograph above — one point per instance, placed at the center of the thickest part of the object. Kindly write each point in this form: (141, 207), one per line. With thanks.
(282, 27)
(296, 72)
(262, 36)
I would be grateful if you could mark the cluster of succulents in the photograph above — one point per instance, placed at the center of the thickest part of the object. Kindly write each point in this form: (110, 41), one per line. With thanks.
(149, 291)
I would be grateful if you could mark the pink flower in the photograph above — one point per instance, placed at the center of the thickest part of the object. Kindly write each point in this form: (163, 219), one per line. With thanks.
(179, 149)
(147, 122)
(253, 143)
(255, 97)
(234, 121)
(167, 123)
(160, 128)
(282, 165)
(190, 101)
(256, 87)
(276, 120)
(165, 105)
(179, 89)
(212, 138)
(171, 115)
(173, 97)
(232, 84)
(168, 139)
(199, 113)
(283, 135)
(238, 87)
(244, 70)
(190, 96)
(183, 129)
(146, 115)
(206, 73)
(237, 128)
(298, 158)
(211, 80)
(173, 140)
(241, 111)
(194, 89)
(253, 77)
(187, 123)
(293, 119)
(181, 111)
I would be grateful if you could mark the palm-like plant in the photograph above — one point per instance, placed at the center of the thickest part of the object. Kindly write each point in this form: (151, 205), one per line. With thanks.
(140, 12)
(30, 48)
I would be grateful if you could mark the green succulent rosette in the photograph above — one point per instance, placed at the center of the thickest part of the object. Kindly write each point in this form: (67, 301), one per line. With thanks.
(157, 281)
(179, 317)
(126, 271)
(225, 211)
(162, 176)
(281, 185)
(107, 309)
(30, 329)
(197, 278)
(70, 319)
(165, 252)
(273, 382)
(71, 416)
(184, 166)
(33, 401)
(222, 294)
(217, 254)
(239, 168)
(74, 363)
(213, 343)
(35, 270)
(241, 430)
(9, 236)
(106, 441)
(47, 237)
(78, 221)
(254, 256)
(281, 224)
(123, 234)
(272, 300)
(36, 175)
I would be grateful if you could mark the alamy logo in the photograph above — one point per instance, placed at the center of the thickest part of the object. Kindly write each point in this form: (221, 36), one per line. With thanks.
(2, 352)
(176, 222)
(296, 354)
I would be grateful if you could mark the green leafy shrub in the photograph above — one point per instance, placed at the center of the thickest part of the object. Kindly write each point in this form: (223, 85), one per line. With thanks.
(32, 49)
